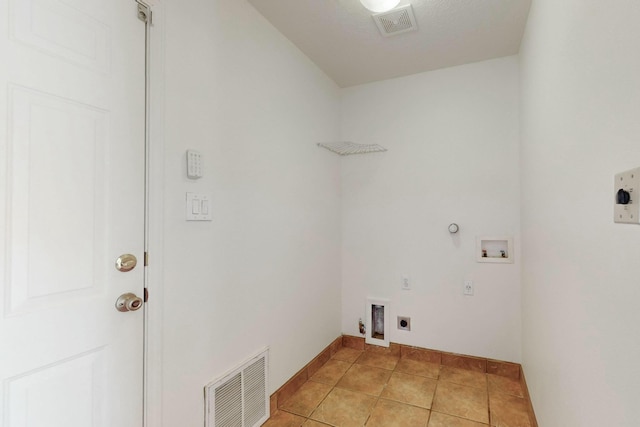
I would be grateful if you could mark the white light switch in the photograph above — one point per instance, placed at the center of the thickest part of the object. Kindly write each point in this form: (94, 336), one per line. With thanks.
(626, 197)
(198, 207)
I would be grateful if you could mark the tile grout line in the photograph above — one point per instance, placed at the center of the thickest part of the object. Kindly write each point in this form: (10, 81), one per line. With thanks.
(380, 395)
(435, 390)
(434, 397)
(322, 401)
(488, 399)
(333, 387)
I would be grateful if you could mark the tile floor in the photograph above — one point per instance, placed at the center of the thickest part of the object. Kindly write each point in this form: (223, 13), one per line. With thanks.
(358, 388)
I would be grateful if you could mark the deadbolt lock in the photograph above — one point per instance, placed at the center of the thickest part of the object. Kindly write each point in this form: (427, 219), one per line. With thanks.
(126, 262)
(128, 302)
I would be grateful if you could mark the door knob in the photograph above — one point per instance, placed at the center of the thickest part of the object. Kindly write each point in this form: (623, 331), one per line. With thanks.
(128, 302)
(126, 262)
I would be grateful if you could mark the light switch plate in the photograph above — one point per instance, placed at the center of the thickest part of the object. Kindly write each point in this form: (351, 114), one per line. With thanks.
(627, 185)
(198, 207)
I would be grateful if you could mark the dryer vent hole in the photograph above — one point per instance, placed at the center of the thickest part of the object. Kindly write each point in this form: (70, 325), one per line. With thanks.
(377, 321)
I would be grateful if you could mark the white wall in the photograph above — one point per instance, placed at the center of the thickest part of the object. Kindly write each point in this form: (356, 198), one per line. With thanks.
(453, 156)
(265, 271)
(580, 125)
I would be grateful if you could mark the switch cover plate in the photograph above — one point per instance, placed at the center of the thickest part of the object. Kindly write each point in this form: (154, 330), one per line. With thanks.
(198, 207)
(626, 197)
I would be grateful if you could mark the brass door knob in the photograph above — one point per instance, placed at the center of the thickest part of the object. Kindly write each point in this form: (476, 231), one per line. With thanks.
(126, 262)
(128, 302)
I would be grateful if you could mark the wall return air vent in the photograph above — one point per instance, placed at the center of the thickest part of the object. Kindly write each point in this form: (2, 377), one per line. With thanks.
(239, 399)
(396, 21)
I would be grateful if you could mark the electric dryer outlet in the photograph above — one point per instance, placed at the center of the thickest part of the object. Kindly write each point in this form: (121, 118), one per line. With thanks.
(404, 323)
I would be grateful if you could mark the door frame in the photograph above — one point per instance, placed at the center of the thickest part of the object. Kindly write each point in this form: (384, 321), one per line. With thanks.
(154, 221)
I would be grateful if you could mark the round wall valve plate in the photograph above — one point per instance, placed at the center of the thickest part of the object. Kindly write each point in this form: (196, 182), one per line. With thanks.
(126, 262)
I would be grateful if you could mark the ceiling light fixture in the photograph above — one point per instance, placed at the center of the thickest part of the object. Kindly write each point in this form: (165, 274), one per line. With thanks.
(379, 5)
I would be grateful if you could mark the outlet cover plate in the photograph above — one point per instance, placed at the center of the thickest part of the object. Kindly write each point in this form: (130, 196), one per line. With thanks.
(468, 287)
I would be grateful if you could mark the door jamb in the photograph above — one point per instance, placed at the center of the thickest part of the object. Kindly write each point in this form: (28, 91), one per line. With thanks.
(152, 383)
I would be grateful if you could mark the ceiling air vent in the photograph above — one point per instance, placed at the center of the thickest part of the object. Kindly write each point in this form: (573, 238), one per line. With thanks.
(396, 21)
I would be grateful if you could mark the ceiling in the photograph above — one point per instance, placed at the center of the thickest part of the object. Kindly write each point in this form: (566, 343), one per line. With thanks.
(341, 37)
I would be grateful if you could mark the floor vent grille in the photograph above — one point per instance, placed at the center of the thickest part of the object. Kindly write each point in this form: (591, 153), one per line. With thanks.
(239, 399)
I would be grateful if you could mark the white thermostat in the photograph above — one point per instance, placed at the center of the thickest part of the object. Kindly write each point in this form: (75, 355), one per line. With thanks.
(194, 164)
(626, 197)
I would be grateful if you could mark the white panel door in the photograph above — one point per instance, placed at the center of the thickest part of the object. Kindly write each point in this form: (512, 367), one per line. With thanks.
(72, 111)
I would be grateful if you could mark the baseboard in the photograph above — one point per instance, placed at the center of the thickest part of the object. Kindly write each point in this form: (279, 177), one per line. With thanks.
(523, 384)
(301, 377)
(463, 361)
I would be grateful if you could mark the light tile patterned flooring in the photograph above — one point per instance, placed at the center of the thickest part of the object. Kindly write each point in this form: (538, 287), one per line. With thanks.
(357, 388)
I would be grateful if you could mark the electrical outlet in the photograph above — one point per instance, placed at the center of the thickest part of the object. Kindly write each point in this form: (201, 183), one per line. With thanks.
(404, 323)
(626, 206)
(406, 284)
(468, 287)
